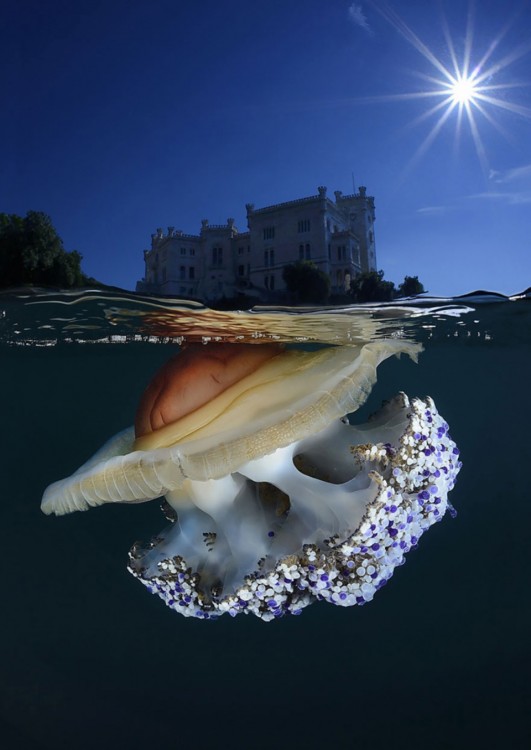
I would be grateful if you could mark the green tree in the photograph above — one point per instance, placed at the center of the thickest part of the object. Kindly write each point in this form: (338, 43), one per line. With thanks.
(410, 287)
(31, 252)
(370, 286)
(307, 283)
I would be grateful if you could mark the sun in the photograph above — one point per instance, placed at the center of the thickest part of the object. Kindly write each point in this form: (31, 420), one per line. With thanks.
(463, 90)
(466, 85)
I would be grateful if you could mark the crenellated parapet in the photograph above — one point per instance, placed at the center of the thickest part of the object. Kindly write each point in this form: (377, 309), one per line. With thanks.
(286, 204)
(361, 195)
(230, 227)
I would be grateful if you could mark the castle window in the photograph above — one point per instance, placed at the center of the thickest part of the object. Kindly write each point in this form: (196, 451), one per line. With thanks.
(217, 256)
(308, 253)
(192, 251)
(303, 225)
(241, 270)
(301, 252)
(272, 282)
(272, 257)
(269, 233)
(183, 251)
(342, 253)
(182, 272)
(191, 272)
(269, 257)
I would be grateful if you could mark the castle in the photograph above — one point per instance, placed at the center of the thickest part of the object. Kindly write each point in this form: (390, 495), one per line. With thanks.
(336, 235)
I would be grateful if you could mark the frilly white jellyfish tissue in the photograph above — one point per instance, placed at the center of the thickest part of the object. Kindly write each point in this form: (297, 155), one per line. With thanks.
(275, 500)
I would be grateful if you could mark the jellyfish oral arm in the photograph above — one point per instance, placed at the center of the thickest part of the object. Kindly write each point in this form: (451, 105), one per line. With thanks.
(339, 537)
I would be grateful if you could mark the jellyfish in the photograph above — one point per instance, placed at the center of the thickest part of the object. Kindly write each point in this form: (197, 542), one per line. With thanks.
(274, 499)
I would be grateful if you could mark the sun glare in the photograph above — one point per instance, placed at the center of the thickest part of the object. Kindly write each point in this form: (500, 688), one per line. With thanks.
(467, 85)
(463, 90)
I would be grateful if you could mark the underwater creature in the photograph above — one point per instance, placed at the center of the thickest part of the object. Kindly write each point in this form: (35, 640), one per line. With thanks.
(276, 501)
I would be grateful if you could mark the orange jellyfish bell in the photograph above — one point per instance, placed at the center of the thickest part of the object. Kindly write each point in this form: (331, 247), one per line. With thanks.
(194, 377)
(288, 396)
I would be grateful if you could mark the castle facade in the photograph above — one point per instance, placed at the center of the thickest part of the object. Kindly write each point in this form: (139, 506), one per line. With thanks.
(336, 235)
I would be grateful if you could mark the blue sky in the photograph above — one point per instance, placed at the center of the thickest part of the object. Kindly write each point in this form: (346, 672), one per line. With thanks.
(123, 116)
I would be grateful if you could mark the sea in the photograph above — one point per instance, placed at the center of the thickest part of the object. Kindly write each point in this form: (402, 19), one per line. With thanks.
(441, 658)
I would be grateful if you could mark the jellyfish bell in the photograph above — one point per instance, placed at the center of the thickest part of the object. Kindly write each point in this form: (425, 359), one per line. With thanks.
(288, 397)
(194, 377)
(277, 500)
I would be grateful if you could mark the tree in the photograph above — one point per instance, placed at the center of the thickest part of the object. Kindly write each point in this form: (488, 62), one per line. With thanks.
(31, 252)
(410, 287)
(306, 282)
(371, 287)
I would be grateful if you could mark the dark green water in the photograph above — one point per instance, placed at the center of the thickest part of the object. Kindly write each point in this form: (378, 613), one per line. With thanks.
(440, 659)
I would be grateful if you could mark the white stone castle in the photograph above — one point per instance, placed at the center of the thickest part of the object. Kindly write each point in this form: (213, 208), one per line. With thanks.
(336, 235)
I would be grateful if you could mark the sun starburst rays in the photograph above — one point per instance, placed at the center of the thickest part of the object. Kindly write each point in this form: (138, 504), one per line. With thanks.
(464, 87)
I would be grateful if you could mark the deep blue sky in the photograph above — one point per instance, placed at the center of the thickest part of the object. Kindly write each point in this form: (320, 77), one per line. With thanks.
(121, 116)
